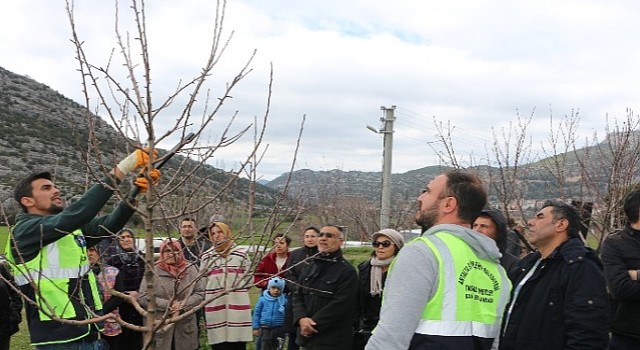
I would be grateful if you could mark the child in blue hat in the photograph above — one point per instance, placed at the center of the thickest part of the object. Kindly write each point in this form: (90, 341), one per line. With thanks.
(268, 315)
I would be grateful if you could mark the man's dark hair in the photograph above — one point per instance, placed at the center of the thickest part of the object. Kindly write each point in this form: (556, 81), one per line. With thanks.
(469, 191)
(24, 188)
(561, 210)
(632, 205)
(312, 228)
(189, 219)
(286, 238)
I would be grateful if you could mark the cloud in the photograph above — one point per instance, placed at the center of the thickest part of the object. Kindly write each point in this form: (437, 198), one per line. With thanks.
(474, 65)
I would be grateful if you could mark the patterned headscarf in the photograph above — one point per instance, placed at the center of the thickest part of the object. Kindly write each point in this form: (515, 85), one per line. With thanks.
(177, 269)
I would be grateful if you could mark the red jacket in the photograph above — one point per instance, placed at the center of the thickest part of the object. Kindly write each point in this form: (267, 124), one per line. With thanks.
(266, 269)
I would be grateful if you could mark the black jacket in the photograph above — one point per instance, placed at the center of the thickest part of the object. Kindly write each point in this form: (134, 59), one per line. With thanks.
(10, 304)
(368, 311)
(193, 252)
(620, 253)
(327, 293)
(562, 306)
(295, 265)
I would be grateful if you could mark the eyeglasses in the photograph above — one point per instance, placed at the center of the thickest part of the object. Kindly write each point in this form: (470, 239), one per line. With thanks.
(327, 234)
(385, 244)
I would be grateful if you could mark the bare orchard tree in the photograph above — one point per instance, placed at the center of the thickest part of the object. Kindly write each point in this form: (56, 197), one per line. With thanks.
(608, 170)
(123, 91)
(511, 149)
(596, 175)
(558, 151)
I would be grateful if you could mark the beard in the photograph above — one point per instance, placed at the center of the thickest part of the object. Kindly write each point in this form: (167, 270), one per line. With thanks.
(427, 218)
(55, 209)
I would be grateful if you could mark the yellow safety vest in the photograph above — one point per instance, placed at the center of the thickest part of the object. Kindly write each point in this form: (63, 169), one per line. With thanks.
(471, 294)
(57, 272)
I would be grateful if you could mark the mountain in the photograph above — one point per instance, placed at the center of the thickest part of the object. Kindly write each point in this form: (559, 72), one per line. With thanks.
(585, 174)
(40, 129)
(365, 184)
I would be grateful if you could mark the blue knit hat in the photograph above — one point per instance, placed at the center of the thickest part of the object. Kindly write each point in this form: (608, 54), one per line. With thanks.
(276, 282)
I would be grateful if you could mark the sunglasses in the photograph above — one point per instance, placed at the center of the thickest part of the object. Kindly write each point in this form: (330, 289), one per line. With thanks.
(385, 244)
(327, 234)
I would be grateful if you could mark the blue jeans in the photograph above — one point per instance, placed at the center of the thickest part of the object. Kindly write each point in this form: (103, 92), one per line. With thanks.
(81, 345)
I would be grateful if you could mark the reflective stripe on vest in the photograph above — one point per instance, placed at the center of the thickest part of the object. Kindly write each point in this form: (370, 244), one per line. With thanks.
(471, 295)
(50, 271)
(57, 279)
(46, 265)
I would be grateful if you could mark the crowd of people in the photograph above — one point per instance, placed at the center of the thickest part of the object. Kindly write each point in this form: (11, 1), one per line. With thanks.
(458, 286)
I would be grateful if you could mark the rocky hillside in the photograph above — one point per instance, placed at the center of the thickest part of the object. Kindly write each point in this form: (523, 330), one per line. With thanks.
(40, 129)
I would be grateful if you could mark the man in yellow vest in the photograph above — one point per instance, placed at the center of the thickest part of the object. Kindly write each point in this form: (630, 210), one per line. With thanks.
(445, 289)
(47, 251)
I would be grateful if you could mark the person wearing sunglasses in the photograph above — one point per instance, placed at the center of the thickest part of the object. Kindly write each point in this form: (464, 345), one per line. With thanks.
(446, 289)
(372, 275)
(323, 304)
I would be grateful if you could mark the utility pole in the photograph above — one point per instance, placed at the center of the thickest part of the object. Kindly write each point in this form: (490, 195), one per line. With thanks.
(386, 130)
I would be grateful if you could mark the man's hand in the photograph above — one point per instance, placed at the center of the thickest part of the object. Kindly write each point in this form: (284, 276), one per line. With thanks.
(143, 183)
(137, 159)
(175, 308)
(306, 326)
(133, 294)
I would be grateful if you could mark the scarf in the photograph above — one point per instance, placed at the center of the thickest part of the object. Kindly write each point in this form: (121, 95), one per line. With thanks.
(128, 257)
(375, 281)
(225, 247)
(179, 267)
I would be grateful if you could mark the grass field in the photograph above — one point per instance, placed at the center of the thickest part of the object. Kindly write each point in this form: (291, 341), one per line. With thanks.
(21, 339)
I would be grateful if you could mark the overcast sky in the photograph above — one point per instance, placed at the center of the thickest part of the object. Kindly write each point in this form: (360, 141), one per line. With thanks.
(473, 64)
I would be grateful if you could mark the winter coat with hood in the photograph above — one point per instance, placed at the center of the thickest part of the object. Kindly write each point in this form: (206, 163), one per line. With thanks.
(413, 281)
(562, 306)
(621, 253)
(269, 310)
(508, 260)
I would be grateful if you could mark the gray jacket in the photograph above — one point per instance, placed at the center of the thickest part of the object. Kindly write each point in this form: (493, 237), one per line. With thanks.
(184, 333)
(412, 282)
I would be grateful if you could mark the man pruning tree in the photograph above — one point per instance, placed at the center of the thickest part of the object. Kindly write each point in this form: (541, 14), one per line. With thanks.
(47, 251)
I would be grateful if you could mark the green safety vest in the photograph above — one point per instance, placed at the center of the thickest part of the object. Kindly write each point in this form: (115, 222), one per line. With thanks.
(59, 273)
(471, 295)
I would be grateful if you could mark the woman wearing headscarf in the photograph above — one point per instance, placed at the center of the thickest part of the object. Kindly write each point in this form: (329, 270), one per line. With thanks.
(177, 290)
(226, 268)
(372, 276)
(128, 260)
